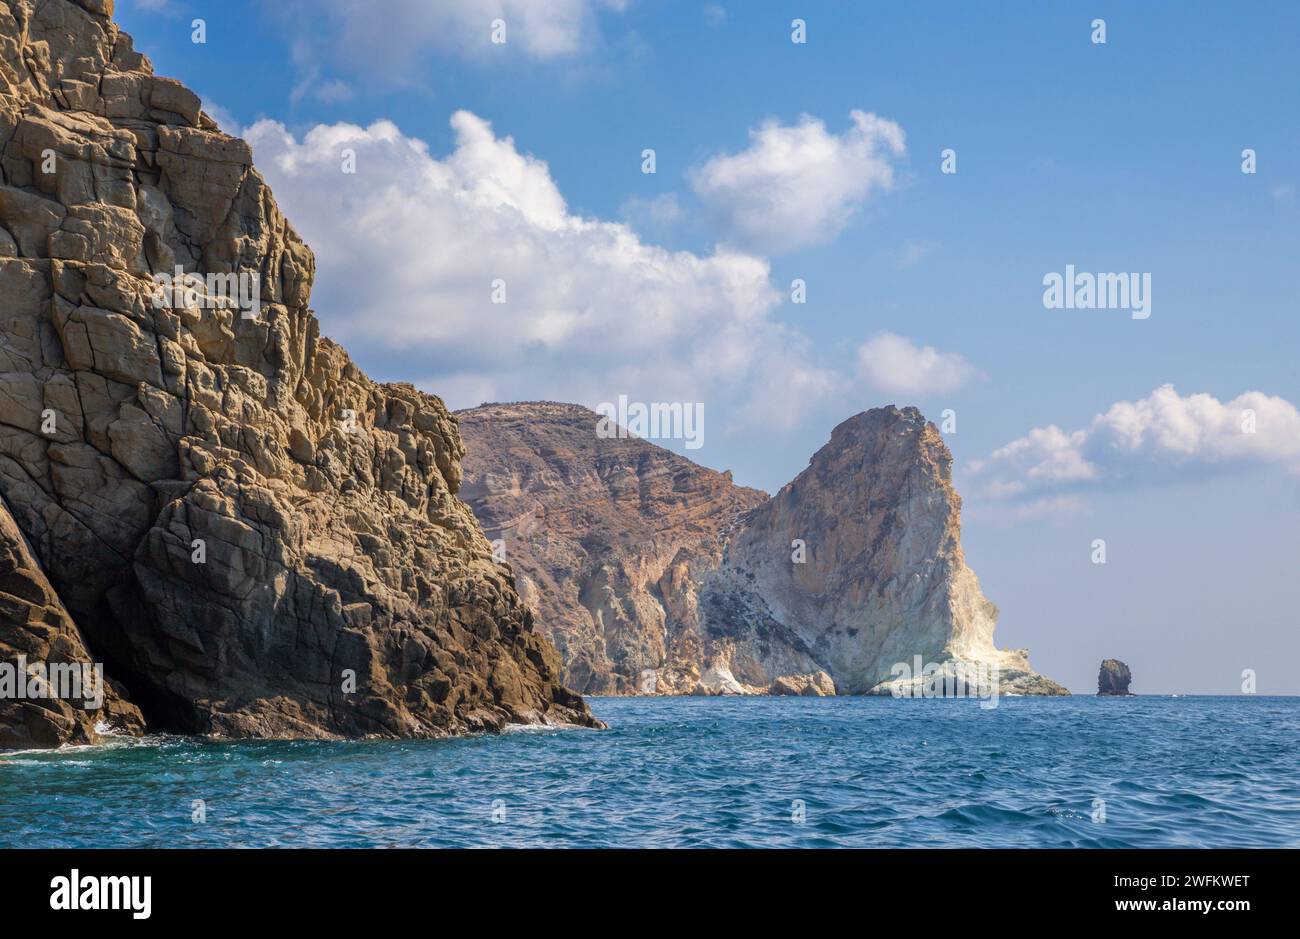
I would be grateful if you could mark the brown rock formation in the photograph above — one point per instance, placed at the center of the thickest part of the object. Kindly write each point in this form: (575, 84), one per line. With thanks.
(609, 538)
(816, 685)
(253, 536)
(653, 574)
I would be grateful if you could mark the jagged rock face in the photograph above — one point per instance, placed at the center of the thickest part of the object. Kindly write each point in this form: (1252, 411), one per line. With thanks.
(1114, 678)
(853, 568)
(253, 536)
(883, 578)
(609, 538)
(37, 629)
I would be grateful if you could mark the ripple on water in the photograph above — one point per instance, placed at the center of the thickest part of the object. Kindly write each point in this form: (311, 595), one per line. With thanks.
(782, 772)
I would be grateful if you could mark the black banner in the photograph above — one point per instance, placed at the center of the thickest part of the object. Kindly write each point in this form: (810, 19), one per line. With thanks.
(146, 889)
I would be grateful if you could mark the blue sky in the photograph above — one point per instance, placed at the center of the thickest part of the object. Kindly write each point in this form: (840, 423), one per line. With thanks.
(1121, 157)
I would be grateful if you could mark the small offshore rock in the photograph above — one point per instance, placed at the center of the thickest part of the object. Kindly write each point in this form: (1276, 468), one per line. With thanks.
(1114, 678)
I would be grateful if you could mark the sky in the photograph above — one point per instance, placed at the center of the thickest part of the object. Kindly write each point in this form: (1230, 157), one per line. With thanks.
(434, 171)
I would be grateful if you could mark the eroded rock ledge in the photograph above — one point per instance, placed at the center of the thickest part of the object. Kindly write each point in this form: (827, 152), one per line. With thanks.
(654, 575)
(255, 538)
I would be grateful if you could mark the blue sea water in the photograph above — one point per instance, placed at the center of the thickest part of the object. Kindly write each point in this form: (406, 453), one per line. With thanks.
(706, 772)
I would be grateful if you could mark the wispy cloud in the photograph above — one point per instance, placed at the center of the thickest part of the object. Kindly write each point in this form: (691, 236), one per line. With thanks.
(658, 213)
(387, 36)
(896, 365)
(912, 252)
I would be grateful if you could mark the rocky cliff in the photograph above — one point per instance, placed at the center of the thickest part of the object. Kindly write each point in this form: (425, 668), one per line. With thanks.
(36, 630)
(608, 537)
(208, 496)
(656, 575)
(883, 579)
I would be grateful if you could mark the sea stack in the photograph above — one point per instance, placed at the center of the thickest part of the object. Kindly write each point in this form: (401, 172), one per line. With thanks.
(207, 498)
(1114, 678)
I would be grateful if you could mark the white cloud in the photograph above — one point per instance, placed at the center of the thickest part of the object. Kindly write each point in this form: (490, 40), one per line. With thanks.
(798, 185)
(896, 365)
(1145, 441)
(388, 35)
(409, 246)
(661, 212)
(332, 91)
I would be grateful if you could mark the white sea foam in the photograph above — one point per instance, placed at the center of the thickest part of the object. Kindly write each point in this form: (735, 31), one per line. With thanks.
(536, 728)
(111, 741)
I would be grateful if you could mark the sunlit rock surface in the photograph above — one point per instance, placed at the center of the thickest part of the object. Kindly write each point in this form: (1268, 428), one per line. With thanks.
(254, 537)
(654, 575)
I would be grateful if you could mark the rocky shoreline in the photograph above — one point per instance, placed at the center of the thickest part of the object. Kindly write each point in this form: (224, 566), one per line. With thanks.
(210, 514)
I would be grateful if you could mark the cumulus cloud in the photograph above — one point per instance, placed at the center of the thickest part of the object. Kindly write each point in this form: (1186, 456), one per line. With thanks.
(896, 365)
(411, 249)
(1153, 439)
(798, 185)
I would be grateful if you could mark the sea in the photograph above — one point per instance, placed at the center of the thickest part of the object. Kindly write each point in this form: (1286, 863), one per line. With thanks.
(766, 772)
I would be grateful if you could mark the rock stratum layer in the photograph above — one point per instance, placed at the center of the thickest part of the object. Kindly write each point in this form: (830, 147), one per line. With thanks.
(252, 536)
(654, 575)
